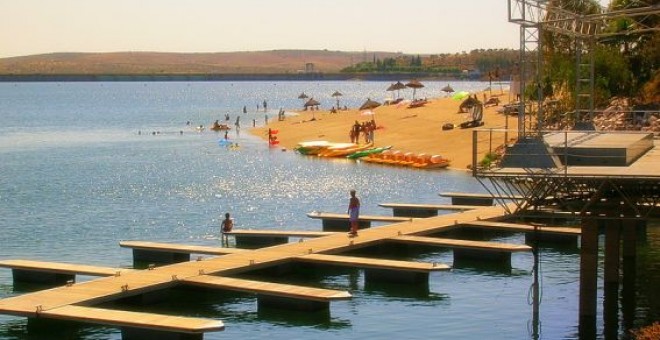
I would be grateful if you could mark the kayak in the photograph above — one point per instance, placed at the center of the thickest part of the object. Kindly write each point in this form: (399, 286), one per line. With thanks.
(312, 147)
(368, 152)
(343, 150)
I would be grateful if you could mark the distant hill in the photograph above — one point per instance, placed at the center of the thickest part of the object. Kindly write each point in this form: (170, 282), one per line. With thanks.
(155, 63)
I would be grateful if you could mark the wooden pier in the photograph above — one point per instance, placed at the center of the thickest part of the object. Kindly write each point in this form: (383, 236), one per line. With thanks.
(77, 301)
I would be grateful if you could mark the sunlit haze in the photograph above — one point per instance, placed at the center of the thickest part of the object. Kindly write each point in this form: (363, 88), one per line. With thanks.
(422, 26)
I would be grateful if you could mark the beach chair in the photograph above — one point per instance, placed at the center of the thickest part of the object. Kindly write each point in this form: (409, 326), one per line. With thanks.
(477, 114)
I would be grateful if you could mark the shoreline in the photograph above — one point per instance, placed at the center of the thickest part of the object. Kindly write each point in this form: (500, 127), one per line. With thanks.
(416, 130)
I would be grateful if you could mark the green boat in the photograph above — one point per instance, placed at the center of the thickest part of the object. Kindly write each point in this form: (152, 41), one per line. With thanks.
(368, 152)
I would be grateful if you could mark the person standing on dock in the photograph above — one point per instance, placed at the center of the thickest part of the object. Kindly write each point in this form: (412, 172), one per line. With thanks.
(226, 226)
(353, 213)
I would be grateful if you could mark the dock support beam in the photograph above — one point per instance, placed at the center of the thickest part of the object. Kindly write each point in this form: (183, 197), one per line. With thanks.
(412, 212)
(259, 241)
(611, 286)
(471, 201)
(588, 278)
(548, 238)
(41, 277)
(470, 255)
(270, 301)
(395, 276)
(129, 333)
(159, 256)
(342, 225)
(629, 255)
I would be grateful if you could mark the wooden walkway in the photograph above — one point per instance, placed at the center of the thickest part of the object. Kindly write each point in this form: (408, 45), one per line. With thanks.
(64, 302)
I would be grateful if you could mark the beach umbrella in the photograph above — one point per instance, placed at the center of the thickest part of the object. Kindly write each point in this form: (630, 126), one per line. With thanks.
(460, 95)
(414, 84)
(312, 102)
(398, 86)
(337, 94)
(303, 96)
(391, 88)
(447, 89)
(369, 104)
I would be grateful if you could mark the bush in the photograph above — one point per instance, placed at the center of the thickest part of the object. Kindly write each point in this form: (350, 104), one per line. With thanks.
(651, 332)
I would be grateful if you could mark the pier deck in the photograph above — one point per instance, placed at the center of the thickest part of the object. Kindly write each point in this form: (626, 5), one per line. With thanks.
(423, 210)
(56, 302)
(339, 222)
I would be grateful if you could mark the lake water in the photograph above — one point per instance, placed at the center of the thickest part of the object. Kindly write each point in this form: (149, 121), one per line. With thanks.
(86, 165)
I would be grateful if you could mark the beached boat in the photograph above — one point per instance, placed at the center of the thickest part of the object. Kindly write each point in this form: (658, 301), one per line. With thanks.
(340, 151)
(333, 148)
(409, 159)
(432, 162)
(311, 147)
(367, 152)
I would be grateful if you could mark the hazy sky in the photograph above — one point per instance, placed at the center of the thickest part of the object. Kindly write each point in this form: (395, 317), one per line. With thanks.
(418, 26)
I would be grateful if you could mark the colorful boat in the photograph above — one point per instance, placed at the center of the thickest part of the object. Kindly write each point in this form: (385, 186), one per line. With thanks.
(311, 147)
(339, 151)
(409, 159)
(367, 152)
(336, 148)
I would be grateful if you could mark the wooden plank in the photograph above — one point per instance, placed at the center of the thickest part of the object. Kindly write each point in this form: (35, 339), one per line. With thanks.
(277, 233)
(523, 227)
(463, 244)
(134, 319)
(429, 206)
(180, 248)
(269, 288)
(371, 218)
(63, 268)
(363, 262)
(476, 195)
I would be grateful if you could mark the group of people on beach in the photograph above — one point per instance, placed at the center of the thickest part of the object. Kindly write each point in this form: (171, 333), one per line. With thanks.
(335, 110)
(227, 224)
(366, 128)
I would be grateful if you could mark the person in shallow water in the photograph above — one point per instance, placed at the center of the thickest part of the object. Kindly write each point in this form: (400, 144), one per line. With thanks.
(353, 213)
(226, 226)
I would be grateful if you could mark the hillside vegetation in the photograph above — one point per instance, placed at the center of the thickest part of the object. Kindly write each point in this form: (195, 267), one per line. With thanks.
(155, 63)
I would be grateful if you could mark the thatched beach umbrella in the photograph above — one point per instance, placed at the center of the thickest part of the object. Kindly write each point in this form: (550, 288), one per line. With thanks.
(312, 102)
(369, 104)
(398, 86)
(337, 94)
(447, 89)
(303, 96)
(414, 84)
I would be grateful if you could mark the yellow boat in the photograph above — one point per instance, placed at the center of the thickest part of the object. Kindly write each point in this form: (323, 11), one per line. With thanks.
(341, 151)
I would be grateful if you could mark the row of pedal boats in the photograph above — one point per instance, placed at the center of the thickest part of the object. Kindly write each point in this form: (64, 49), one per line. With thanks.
(371, 154)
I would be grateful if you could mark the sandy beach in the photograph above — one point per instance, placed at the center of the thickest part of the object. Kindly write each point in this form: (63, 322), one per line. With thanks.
(417, 130)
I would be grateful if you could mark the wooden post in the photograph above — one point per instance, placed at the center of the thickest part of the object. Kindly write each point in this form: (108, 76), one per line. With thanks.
(611, 286)
(628, 303)
(612, 236)
(588, 278)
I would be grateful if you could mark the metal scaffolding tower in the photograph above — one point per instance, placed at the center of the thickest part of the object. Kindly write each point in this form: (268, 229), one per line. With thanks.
(537, 16)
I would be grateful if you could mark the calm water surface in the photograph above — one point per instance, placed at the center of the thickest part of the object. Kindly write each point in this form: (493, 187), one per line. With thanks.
(80, 170)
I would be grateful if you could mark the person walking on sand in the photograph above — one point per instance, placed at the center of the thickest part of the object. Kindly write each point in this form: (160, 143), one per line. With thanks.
(226, 226)
(353, 213)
